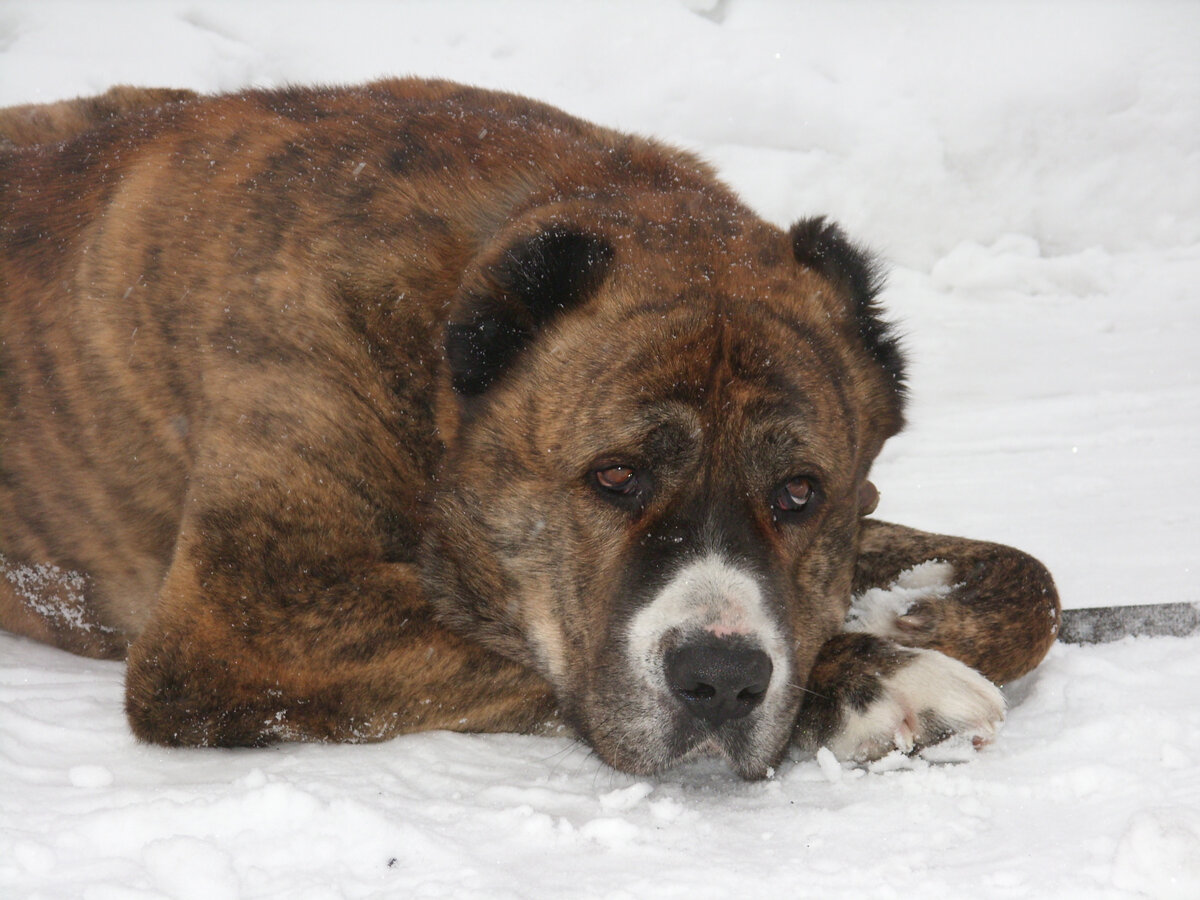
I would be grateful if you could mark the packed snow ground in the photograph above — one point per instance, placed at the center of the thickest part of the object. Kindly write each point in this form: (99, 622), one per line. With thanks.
(1033, 174)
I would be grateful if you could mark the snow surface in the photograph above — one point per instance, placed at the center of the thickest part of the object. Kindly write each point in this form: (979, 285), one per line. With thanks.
(1033, 173)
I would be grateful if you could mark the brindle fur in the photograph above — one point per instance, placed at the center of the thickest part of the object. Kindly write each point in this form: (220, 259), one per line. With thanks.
(300, 390)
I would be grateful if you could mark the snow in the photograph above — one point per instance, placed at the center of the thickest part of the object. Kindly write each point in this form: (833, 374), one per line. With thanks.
(1032, 171)
(32, 583)
(876, 609)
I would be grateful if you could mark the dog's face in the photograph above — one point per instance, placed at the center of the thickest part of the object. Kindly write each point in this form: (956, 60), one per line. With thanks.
(654, 477)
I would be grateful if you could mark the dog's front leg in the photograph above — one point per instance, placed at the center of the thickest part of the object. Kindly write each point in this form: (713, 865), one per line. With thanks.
(987, 605)
(935, 622)
(240, 660)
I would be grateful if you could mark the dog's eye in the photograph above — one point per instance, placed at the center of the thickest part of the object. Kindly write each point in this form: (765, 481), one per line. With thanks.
(796, 495)
(618, 479)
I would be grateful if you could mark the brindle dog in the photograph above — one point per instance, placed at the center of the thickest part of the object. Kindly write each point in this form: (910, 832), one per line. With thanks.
(344, 413)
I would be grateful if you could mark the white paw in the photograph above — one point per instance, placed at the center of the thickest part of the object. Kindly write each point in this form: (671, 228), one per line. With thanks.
(930, 699)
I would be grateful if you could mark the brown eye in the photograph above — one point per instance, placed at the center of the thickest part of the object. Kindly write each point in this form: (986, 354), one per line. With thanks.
(618, 479)
(795, 495)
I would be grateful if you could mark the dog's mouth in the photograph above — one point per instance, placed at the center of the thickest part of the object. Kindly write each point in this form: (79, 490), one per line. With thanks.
(656, 732)
(739, 750)
(746, 755)
(748, 769)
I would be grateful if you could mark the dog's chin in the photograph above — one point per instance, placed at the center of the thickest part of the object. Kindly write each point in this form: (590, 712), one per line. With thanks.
(653, 745)
(753, 767)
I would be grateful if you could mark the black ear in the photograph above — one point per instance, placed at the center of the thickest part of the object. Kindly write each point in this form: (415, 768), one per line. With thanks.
(531, 281)
(824, 248)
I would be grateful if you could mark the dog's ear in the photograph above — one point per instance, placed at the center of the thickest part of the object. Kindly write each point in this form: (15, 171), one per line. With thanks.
(513, 293)
(823, 247)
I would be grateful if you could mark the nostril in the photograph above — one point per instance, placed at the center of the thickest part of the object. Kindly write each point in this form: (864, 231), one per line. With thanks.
(718, 680)
(697, 692)
(750, 695)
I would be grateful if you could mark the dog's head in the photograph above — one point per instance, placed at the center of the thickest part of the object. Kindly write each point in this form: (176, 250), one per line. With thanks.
(658, 442)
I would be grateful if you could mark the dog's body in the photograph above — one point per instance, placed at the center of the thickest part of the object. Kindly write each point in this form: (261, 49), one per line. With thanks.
(347, 413)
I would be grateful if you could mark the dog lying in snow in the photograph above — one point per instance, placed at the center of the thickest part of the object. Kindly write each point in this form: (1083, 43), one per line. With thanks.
(345, 413)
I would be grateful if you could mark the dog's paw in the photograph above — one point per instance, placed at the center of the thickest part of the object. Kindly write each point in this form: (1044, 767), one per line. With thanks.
(927, 700)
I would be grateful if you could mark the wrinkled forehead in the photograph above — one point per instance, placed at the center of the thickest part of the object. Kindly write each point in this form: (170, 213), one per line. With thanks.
(725, 379)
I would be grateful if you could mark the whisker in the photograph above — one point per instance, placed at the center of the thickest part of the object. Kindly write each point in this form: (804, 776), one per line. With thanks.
(806, 690)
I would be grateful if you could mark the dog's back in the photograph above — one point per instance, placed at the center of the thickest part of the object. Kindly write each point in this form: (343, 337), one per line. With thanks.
(50, 123)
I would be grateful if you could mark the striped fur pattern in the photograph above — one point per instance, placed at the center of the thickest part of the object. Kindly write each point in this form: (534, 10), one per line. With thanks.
(342, 413)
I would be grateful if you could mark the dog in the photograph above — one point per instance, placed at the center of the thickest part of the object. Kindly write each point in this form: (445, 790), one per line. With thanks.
(342, 413)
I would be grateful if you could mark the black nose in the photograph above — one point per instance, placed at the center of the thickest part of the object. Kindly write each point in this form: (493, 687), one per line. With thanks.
(718, 679)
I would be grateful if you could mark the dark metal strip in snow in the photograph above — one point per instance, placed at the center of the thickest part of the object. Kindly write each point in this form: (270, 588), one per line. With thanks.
(1102, 624)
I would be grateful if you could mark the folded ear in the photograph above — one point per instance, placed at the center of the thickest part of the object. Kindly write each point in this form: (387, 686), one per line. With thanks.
(823, 247)
(513, 292)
